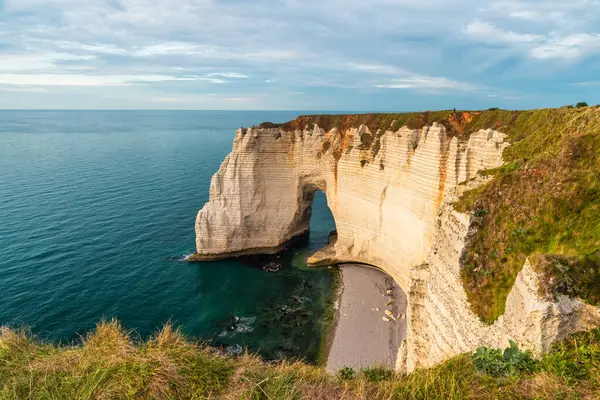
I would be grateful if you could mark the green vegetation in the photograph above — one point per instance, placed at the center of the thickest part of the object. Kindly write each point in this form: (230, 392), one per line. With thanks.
(377, 374)
(455, 122)
(544, 202)
(510, 362)
(108, 364)
(581, 104)
(346, 374)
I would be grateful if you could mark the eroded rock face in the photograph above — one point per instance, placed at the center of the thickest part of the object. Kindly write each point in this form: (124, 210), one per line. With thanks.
(391, 197)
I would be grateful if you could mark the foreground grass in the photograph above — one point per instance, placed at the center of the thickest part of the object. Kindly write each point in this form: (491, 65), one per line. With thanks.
(108, 364)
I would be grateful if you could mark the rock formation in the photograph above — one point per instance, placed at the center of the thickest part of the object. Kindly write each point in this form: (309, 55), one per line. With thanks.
(391, 195)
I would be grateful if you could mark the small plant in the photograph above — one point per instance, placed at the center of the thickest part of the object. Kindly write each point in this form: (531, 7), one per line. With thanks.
(346, 374)
(377, 374)
(480, 212)
(581, 104)
(519, 232)
(486, 272)
(510, 362)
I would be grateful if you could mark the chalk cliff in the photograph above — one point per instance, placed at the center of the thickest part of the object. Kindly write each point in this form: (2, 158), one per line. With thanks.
(391, 194)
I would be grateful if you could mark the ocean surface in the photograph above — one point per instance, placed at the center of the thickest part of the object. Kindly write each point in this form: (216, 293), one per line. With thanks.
(97, 208)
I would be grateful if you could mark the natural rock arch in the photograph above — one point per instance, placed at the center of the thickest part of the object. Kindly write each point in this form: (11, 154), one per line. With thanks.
(391, 196)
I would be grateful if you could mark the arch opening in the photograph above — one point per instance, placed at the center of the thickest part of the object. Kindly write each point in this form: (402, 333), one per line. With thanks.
(317, 217)
(371, 305)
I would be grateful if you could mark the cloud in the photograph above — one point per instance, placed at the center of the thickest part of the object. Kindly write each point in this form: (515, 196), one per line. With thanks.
(235, 75)
(337, 52)
(200, 99)
(568, 47)
(36, 62)
(13, 88)
(427, 83)
(377, 68)
(486, 32)
(91, 80)
(553, 45)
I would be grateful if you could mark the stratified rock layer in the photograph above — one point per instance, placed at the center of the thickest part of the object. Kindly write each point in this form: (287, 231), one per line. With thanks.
(391, 196)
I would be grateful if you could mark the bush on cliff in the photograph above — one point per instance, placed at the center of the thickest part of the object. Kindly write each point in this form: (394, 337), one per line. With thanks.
(109, 364)
(510, 362)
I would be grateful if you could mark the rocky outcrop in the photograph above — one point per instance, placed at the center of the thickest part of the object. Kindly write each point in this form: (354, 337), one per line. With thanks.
(391, 194)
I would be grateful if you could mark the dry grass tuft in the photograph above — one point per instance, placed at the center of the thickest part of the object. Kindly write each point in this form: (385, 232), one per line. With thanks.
(109, 343)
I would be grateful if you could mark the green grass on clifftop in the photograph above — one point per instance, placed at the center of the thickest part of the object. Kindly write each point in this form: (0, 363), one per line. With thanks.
(544, 202)
(108, 364)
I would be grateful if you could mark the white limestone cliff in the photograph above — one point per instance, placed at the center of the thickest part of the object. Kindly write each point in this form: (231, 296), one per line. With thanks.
(391, 197)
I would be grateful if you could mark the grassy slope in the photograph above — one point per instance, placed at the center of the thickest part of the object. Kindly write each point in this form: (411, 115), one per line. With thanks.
(546, 200)
(109, 365)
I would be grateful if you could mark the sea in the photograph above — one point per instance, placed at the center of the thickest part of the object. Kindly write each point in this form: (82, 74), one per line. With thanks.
(97, 212)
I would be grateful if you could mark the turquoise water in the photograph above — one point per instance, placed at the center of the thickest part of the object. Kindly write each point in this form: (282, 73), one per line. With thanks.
(96, 209)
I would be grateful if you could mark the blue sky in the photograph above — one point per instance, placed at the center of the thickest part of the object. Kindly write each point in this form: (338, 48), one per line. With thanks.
(369, 55)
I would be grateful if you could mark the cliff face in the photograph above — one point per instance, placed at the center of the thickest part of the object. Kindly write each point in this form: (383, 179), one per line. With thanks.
(391, 195)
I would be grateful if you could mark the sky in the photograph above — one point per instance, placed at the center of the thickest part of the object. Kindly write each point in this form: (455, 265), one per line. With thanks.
(369, 55)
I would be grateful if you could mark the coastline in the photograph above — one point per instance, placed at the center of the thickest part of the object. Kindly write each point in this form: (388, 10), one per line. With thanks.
(363, 334)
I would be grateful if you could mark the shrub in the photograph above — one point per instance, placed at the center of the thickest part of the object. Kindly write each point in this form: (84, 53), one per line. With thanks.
(510, 362)
(346, 374)
(581, 104)
(377, 374)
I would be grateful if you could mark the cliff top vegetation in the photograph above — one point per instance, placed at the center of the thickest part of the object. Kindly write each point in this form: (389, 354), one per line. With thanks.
(108, 364)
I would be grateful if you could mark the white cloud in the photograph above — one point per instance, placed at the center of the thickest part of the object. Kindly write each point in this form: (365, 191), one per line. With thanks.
(91, 48)
(207, 97)
(235, 75)
(12, 88)
(36, 62)
(173, 48)
(552, 45)
(85, 80)
(427, 83)
(377, 68)
(568, 47)
(486, 32)
(537, 15)
(277, 47)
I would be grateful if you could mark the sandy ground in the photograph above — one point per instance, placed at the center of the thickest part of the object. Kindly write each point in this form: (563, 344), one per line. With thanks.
(362, 338)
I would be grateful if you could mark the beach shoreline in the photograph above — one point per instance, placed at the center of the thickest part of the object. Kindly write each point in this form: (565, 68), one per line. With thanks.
(364, 334)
